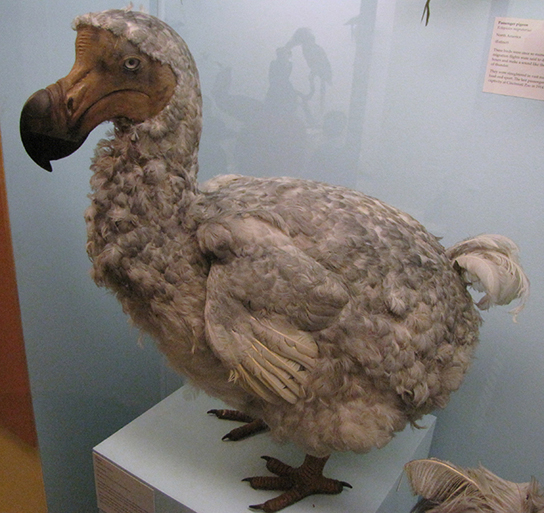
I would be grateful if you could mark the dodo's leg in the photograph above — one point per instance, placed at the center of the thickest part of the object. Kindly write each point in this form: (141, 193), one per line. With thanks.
(251, 427)
(298, 482)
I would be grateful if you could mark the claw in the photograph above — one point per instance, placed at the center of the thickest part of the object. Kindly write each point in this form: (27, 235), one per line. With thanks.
(251, 427)
(231, 415)
(296, 482)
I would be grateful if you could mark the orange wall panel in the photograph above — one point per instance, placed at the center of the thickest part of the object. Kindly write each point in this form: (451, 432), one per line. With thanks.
(15, 400)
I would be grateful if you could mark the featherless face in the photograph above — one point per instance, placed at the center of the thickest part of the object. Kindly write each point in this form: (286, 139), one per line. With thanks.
(111, 79)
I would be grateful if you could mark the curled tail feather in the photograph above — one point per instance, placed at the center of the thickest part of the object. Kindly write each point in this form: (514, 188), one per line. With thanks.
(490, 264)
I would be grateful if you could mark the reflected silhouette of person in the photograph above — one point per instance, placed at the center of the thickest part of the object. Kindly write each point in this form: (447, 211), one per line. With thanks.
(281, 93)
(272, 139)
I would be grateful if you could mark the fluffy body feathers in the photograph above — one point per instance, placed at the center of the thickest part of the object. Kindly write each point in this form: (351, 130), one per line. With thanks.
(447, 488)
(332, 316)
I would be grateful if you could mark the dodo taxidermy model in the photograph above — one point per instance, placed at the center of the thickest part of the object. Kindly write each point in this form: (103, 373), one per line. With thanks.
(324, 314)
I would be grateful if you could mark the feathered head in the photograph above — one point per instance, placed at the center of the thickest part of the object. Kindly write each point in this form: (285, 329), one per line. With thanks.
(131, 68)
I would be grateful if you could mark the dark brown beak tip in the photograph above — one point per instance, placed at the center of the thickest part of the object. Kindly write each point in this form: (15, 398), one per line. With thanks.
(42, 139)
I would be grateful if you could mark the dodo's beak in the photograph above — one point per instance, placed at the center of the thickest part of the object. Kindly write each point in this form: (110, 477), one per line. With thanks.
(45, 130)
(110, 79)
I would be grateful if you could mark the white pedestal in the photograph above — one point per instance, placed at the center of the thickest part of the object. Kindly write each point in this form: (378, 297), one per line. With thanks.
(172, 460)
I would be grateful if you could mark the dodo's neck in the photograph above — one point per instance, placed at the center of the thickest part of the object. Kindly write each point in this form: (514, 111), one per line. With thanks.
(139, 163)
(155, 154)
(143, 184)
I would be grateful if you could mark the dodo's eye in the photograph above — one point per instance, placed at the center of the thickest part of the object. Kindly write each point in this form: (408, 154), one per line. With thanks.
(131, 64)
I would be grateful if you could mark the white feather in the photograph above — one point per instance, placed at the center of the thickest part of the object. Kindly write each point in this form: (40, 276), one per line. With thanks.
(490, 264)
(440, 480)
(447, 488)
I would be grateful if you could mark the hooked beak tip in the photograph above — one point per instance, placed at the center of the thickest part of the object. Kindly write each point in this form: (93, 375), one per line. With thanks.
(41, 136)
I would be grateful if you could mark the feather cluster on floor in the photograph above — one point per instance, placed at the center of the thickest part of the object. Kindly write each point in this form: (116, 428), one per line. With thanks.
(447, 488)
(332, 316)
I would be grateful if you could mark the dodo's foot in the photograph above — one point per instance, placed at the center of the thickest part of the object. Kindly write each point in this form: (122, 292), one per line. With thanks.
(251, 427)
(297, 482)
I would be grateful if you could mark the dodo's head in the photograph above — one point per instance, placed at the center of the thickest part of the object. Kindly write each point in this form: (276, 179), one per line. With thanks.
(129, 66)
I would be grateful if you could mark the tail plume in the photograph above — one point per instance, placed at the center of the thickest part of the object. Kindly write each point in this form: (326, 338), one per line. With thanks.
(490, 264)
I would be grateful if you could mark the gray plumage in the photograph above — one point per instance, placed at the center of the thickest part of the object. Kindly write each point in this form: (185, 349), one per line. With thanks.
(332, 316)
(448, 488)
(335, 318)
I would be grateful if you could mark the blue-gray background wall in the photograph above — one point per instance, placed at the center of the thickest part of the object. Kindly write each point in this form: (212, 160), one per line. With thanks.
(432, 143)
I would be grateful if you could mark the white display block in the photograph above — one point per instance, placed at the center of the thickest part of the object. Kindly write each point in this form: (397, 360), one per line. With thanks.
(172, 460)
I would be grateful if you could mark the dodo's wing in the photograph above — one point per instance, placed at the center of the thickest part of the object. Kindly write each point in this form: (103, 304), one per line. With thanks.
(265, 298)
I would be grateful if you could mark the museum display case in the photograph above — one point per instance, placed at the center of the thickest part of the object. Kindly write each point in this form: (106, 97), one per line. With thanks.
(439, 117)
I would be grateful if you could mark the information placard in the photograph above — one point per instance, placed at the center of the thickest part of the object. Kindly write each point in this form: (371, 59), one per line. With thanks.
(515, 65)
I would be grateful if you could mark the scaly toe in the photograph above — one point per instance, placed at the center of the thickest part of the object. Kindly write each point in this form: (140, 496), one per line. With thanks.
(269, 483)
(288, 498)
(251, 427)
(296, 482)
(278, 467)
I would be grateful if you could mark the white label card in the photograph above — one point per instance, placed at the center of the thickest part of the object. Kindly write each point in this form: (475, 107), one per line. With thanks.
(515, 66)
(118, 491)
